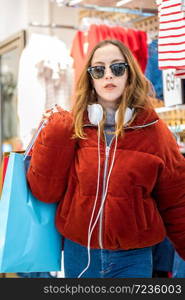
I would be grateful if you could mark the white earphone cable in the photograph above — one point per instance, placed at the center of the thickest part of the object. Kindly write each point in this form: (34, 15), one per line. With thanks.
(90, 229)
(95, 202)
(106, 188)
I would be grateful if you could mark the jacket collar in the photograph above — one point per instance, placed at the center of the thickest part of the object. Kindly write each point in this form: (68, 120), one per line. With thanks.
(145, 117)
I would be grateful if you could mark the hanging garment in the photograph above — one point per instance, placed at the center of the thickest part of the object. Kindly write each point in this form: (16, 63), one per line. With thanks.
(143, 53)
(152, 72)
(43, 80)
(171, 45)
(134, 43)
(77, 52)
(121, 34)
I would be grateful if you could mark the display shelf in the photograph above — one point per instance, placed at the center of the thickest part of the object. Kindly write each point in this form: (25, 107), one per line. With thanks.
(169, 108)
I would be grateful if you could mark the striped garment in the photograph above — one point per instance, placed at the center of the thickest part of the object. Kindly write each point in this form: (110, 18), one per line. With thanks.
(171, 45)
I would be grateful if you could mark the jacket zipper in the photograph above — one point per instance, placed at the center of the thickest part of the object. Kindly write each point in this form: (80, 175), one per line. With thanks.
(107, 152)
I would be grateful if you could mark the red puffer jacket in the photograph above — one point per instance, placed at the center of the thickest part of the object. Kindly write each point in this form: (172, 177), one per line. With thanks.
(146, 192)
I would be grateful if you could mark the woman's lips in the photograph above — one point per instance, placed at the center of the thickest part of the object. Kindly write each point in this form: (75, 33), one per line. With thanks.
(109, 86)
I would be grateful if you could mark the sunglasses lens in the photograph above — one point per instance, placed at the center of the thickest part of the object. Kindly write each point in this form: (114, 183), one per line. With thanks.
(97, 72)
(118, 69)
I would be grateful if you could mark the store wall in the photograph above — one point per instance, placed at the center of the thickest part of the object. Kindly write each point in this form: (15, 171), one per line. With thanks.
(16, 15)
(64, 16)
(13, 17)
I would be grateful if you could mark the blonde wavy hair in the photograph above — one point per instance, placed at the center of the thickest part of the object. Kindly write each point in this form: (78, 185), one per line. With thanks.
(136, 94)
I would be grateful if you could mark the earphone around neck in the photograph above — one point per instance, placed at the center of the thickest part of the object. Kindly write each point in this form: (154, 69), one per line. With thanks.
(95, 114)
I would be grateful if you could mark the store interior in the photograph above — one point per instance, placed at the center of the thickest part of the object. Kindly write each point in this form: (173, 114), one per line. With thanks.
(43, 48)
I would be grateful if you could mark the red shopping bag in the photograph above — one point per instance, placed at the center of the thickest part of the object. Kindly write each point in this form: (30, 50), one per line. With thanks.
(5, 164)
(3, 167)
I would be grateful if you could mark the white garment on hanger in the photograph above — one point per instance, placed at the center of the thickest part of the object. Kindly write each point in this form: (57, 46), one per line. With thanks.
(43, 80)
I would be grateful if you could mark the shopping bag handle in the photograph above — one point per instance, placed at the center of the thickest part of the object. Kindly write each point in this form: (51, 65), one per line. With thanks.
(42, 124)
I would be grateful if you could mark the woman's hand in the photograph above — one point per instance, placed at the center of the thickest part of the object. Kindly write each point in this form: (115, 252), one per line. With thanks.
(59, 127)
(48, 113)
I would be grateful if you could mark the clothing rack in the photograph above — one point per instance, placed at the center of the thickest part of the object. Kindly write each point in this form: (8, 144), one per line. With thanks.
(140, 23)
(138, 12)
(148, 24)
(113, 9)
(52, 25)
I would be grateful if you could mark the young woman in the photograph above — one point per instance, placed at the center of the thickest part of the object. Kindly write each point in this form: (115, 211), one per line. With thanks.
(115, 169)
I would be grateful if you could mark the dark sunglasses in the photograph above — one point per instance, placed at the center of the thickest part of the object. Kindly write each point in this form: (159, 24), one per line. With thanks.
(118, 69)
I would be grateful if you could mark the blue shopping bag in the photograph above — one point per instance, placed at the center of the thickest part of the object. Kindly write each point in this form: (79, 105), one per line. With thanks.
(29, 240)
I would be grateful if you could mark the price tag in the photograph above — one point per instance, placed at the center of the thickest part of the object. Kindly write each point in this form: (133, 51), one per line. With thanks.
(172, 88)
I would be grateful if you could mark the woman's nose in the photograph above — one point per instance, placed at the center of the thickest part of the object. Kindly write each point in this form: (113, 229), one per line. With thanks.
(108, 73)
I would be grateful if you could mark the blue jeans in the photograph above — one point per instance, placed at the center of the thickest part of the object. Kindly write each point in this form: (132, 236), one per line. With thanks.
(136, 263)
(163, 256)
(178, 267)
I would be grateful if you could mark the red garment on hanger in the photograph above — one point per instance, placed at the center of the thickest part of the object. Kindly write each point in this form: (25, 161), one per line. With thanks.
(77, 52)
(122, 34)
(95, 35)
(143, 55)
(134, 43)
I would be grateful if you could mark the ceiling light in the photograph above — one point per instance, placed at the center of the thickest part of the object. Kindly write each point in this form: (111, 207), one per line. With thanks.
(120, 3)
(60, 2)
(73, 2)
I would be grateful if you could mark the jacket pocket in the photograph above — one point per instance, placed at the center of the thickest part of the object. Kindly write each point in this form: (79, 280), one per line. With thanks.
(141, 208)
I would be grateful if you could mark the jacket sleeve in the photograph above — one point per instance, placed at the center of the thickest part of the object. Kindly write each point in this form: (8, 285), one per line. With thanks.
(51, 158)
(170, 191)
